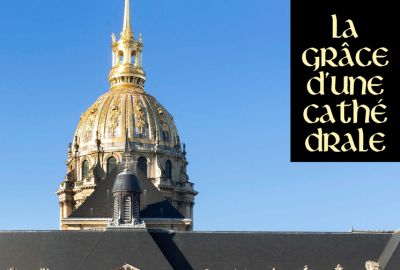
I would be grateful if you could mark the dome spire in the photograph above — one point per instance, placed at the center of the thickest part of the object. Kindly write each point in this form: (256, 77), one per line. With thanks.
(127, 67)
(128, 150)
(127, 16)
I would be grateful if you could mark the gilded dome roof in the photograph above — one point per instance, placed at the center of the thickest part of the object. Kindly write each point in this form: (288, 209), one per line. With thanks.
(126, 107)
(113, 114)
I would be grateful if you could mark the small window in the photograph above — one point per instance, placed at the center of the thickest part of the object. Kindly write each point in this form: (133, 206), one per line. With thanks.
(168, 169)
(111, 165)
(85, 169)
(142, 165)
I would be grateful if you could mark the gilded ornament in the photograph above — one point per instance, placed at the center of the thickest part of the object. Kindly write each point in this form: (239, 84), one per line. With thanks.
(92, 114)
(114, 114)
(140, 122)
(161, 115)
(90, 121)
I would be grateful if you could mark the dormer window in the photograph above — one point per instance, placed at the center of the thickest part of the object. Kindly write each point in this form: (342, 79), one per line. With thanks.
(165, 136)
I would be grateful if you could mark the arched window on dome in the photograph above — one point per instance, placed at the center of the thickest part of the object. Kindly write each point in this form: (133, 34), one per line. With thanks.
(166, 136)
(142, 165)
(111, 164)
(165, 133)
(85, 169)
(168, 169)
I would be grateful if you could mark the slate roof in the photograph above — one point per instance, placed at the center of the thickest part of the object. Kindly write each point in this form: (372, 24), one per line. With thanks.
(79, 250)
(100, 203)
(126, 181)
(282, 251)
(394, 263)
(157, 250)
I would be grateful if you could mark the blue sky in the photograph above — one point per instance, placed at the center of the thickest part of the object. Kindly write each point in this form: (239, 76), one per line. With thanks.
(221, 68)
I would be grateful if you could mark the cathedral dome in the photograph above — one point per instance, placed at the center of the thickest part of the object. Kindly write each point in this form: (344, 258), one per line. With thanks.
(126, 110)
(131, 110)
(126, 124)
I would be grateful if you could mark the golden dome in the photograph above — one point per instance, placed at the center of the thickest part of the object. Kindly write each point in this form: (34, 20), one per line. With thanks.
(106, 122)
(126, 107)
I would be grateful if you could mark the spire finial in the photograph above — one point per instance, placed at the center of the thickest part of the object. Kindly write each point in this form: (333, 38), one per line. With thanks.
(127, 143)
(127, 16)
(128, 150)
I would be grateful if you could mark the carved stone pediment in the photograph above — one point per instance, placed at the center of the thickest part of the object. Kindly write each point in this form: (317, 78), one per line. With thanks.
(339, 267)
(127, 267)
(371, 265)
